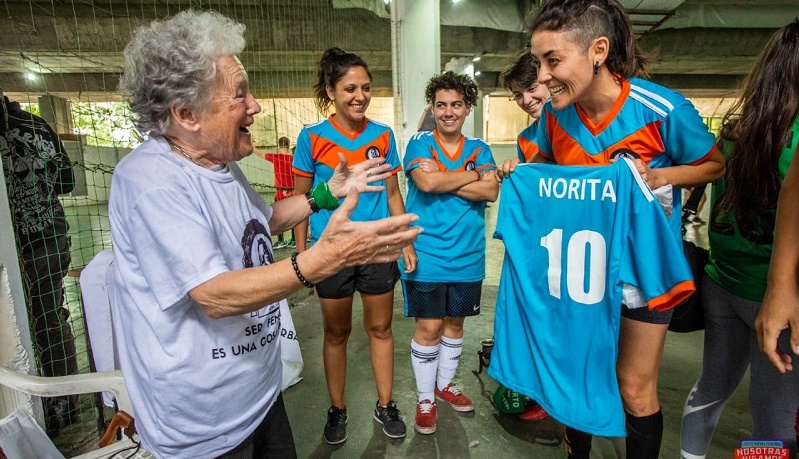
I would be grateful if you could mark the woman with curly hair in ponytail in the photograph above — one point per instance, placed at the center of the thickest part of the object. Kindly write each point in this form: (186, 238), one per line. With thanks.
(759, 137)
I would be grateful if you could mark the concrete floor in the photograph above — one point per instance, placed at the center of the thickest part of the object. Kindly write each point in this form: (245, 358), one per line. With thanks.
(484, 433)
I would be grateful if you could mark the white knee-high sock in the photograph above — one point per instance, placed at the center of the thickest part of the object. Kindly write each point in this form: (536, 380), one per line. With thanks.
(425, 364)
(449, 355)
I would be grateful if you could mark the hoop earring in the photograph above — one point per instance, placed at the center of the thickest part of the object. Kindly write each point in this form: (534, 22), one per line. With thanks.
(596, 67)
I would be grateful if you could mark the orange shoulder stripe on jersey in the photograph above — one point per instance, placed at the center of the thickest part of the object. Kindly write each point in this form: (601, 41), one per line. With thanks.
(673, 297)
(614, 111)
(528, 148)
(302, 173)
(326, 152)
(707, 156)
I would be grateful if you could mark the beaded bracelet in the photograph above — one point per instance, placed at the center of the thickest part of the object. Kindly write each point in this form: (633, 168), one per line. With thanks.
(297, 271)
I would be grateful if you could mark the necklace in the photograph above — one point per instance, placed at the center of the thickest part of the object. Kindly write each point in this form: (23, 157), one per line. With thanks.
(183, 152)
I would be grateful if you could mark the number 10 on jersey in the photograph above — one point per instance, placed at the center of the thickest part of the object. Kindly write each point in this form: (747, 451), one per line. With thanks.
(584, 264)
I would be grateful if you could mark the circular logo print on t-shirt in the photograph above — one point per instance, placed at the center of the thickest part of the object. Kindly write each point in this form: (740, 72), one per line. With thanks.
(257, 245)
(469, 166)
(372, 153)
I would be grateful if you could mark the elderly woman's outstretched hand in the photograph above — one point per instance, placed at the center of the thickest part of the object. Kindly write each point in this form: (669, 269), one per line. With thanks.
(358, 243)
(358, 177)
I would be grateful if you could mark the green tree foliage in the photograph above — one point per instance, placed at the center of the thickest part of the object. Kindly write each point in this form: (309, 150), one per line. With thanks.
(105, 124)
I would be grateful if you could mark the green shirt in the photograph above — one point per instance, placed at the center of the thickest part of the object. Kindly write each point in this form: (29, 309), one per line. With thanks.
(739, 262)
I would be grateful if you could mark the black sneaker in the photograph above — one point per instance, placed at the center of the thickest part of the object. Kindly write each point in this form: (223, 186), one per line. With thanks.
(393, 425)
(336, 427)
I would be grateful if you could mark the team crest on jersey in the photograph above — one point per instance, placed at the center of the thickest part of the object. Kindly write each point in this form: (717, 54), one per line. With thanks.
(624, 153)
(469, 166)
(372, 152)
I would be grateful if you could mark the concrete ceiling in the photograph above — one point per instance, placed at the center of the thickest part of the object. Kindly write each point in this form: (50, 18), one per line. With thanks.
(73, 47)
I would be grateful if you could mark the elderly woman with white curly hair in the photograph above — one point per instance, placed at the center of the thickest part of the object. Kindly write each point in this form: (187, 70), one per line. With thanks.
(193, 274)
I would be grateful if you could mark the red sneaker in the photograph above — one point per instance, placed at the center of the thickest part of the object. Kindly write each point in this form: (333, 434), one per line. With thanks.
(425, 417)
(452, 395)
(533, 412)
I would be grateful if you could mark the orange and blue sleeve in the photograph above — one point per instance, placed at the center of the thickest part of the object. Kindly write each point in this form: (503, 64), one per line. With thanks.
(303, 164)
(415, 151)
(653, 259)
(485, 159)
(686, 137)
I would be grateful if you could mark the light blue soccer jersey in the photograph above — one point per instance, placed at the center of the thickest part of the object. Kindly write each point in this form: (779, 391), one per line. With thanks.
(573, 235)
(316, 155)
(452, 246)
(658, 124)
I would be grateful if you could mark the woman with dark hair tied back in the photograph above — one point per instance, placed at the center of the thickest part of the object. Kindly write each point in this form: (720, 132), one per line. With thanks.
(197, 293)
(600, 109)
(759, 136)
(344, 82)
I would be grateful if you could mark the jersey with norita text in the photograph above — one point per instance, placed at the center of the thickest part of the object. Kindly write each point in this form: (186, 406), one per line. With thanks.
(573, 235)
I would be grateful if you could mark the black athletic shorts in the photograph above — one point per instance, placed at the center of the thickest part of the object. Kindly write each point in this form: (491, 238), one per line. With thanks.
(646, 315)
(372, 279)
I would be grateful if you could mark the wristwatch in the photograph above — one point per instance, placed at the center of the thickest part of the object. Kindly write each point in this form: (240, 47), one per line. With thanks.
(312, 202)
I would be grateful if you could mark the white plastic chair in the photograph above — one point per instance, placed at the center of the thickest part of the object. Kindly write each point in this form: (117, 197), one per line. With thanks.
(109, 381)
(19, 386)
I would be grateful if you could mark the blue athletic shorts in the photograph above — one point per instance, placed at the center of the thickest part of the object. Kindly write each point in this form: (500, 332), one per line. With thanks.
(436, 300)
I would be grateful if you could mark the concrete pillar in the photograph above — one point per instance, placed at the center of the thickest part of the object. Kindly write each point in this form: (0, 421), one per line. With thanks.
(57, 111)
(417, 56)
(478, 118)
